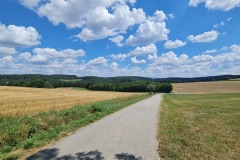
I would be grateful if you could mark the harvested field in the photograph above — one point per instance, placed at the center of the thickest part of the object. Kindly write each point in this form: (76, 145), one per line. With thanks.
(200, 126)
(17, 101)
(207, 87)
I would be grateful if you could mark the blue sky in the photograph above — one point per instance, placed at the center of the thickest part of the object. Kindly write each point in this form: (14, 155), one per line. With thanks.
(154, 38)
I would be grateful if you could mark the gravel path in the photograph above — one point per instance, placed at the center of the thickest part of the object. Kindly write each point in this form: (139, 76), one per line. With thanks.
(129, 134)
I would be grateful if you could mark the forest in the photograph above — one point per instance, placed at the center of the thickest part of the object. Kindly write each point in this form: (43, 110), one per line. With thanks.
(122, 83)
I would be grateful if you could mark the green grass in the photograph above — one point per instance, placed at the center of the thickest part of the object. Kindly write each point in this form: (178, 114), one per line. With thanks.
(79, 88)
(200, 126)
(19, 134)
(71, 80)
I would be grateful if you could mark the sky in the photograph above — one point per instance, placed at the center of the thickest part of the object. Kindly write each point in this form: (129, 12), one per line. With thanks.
(149, 38)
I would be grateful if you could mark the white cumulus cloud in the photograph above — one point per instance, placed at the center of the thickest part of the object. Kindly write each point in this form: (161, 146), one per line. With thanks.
(224, 5)
(18, 36)
(144, 50)
(96, 19)
(169, 64)
(51, 55)
(7, 51)
(114, 66)
(120, 56)
(166, 65)
(205, 37)
(174, 44)
(150, 49)
(210, 51)
(29, 4)
(134, 60)
(100, 61)
(152, 30)
(118, 40)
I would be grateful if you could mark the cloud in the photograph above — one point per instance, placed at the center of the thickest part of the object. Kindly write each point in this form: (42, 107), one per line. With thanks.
(220, 24)
(170, 58)
(171, 16)
(25, 56)
(120, 56)
(7, 51)
(174, 44)
(18, 36)
(100, 61)
(114, 66)
(138, 51)
(29, 4)
(8, 59)
(151, 31)
(223, 23)
(210, 51)
(96, 19)
(205, 37)
(99, 27)
(224, 5)
(49, 55)
(144, 50)
(229, 19)
(152, 57)
(135, 61)
(166, 65)
(235, 48)
(169, 64)
(50, 52)
(118, 39)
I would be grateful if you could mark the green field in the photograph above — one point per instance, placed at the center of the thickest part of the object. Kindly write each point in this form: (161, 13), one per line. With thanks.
(203, 126)
(71, 80)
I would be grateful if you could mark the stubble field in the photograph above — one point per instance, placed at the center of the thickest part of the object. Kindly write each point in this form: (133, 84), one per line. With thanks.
(18, 101)
(207, 87)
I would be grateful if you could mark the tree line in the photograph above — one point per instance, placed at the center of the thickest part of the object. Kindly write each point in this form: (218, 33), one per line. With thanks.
(140, 86)
(133, 87)
(36, 83)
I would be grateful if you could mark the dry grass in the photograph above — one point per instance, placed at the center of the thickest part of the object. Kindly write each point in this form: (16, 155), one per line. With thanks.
(17, 101)
(200, 126)
(207, 87)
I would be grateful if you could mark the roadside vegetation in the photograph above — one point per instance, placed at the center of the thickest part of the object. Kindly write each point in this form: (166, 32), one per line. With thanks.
(200, 126)
(20, 134)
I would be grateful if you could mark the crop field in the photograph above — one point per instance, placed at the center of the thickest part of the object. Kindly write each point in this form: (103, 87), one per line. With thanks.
(200, 126)
(207, 87)
(17, 101)
(32, 118)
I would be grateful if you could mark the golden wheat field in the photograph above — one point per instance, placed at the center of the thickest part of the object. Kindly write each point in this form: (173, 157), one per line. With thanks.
(16, 101)
(207, 87)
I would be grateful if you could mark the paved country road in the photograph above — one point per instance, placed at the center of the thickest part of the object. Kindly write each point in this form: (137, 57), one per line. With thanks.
(129, 134)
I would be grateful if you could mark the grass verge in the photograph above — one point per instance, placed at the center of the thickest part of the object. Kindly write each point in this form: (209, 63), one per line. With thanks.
(200, 126)
(19, 134)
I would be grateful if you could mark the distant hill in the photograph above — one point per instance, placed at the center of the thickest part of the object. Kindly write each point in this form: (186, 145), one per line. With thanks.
(199, 79)
(171, 79)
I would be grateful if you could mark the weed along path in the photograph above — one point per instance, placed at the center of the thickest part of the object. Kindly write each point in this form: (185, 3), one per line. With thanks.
(130, 134)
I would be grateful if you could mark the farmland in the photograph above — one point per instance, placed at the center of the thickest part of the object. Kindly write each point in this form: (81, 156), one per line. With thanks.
(17, 101)
(32, 118)
(203, 124)
(207, 87)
